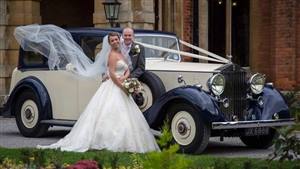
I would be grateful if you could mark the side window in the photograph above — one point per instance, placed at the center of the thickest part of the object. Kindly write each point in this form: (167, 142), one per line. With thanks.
(33, 59)
(91, 45)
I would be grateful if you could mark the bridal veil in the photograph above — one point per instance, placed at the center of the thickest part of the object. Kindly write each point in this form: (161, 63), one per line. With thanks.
(59, 47)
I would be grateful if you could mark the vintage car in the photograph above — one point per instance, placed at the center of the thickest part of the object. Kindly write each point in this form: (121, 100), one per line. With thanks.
(199, 100)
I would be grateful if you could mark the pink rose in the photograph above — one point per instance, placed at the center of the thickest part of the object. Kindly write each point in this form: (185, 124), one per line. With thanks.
(84, 164)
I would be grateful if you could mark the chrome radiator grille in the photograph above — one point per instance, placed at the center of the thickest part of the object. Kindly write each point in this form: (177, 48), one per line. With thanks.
(236, 91)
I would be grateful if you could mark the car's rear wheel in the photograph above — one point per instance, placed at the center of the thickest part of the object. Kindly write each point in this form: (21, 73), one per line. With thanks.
(29, 114)
(260, 142)
(152, 89)
(188, 128)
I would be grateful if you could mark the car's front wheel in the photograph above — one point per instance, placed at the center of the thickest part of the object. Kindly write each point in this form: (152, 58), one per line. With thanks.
(188, 128)
(28, 114)
(261, 141)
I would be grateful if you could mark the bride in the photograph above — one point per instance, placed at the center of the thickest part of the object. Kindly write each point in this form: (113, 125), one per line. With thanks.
(111, 119)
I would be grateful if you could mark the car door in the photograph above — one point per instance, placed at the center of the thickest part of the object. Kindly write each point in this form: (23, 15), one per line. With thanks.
(61, 85)
(87, 87)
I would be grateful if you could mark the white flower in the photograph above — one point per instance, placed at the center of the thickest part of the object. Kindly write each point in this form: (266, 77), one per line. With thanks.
(131, 85)
(137, 49)
(131, 90)
(70, 67)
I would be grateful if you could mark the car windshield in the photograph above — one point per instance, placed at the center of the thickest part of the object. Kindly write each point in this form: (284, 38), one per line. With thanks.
(165, 41)
(91, 45)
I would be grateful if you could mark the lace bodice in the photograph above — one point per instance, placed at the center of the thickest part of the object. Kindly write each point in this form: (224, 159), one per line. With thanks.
(121, 67)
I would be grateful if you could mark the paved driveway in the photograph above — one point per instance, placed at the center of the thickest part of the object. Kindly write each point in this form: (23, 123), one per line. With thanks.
(11, 138)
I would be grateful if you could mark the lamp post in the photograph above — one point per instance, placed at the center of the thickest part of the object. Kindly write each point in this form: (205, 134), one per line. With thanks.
(111, 8)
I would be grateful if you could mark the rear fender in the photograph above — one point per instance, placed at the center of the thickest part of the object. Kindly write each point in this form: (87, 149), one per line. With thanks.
(35, 85)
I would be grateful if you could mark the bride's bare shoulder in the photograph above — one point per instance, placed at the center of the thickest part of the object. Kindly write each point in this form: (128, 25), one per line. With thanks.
(113, 56)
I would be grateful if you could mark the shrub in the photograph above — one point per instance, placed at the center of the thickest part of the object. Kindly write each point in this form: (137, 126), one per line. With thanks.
(292, 100)
(167, 158)
(10, 164)
(34, 158)
(287, 145)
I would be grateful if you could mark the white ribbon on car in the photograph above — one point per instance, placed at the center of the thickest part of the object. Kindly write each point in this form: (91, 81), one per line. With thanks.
(215, 59)
(204, 51)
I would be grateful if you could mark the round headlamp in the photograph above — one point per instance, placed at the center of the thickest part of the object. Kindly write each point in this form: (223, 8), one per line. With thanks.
(257, 82)
(216, 84)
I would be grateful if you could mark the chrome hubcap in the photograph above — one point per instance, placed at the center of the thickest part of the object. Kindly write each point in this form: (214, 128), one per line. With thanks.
(183, 128)
(29, 114)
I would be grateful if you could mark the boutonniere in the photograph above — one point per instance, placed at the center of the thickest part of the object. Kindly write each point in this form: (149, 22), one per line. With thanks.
(136, 50)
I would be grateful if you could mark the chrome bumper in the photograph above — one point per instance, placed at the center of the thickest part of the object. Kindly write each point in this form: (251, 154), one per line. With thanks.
(252, 124)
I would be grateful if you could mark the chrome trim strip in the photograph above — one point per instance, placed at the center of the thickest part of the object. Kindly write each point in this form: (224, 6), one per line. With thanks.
(183, 71)
(252, 124)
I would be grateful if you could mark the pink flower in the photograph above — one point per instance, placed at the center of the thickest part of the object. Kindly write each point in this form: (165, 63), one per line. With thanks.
(84, 164)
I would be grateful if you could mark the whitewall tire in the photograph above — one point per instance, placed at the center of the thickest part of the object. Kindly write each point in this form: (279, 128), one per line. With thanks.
(153, 88)
(28, 113)
(188, 128)
(148, 97)
(183, 128)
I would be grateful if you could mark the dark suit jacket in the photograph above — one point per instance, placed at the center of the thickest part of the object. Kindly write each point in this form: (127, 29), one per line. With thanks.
(138, 61)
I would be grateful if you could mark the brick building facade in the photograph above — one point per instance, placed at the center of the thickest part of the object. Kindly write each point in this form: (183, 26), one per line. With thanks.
(275, 41)
(265, 33)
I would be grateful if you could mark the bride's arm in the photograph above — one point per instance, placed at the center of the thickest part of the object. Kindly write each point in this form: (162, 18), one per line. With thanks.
(125, 76)
(112, 69)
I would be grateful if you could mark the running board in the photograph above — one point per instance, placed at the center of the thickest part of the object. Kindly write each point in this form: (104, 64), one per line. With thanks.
(68, 123)
(156, 132)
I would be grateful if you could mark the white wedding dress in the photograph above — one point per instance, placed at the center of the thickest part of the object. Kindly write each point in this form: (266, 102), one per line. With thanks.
(110, 121)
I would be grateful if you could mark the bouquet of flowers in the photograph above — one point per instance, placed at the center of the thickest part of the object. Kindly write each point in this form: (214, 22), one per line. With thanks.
(131, 85)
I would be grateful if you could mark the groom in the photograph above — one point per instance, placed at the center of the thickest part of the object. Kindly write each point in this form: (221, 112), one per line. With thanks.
(135, 52)
(135, 55)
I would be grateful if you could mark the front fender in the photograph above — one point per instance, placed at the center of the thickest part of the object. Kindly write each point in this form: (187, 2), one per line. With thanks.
(273, 103)
(35, 85)
(199, 99)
